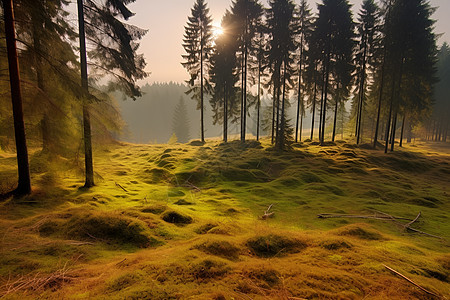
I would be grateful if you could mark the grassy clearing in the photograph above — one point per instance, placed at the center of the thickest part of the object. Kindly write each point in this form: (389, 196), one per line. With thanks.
(183, 221)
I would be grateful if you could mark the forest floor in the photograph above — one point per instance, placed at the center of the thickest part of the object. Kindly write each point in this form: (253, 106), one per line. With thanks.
(185, 222)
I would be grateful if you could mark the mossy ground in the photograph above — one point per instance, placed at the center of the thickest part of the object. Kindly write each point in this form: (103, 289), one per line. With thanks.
(183, 221)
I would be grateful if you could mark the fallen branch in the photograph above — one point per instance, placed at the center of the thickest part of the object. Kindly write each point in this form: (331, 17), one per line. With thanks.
(118, 184)
(37, 282)
(268, 214)
(410, 223)
(412, 282)
(422, 232)
(384, 218)
(190, 185)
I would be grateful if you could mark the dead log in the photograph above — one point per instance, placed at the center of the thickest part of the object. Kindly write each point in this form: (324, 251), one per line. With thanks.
(412, 282)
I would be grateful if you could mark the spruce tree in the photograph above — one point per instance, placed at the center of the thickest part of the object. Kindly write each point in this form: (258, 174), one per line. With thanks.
(24, 182)
(180, 123)
(114, 53)
(365, 59)
(411, 58)
(282, 27)
(224, 76)
(335, 38)
(303, 34)
(197, 43)
(247, 19)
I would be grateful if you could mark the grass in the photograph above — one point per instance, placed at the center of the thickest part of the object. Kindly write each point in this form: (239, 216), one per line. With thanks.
(188, 223)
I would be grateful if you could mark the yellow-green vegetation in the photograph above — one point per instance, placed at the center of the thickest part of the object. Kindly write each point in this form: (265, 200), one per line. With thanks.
(184, 222)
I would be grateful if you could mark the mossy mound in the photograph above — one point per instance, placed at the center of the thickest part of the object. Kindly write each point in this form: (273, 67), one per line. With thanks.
(236, 174)
(195, 176)
(157, 175)
(183, 202)
(209, 269)
(272, 245)
(154, 209)
(196, 143)
(205, 228)
(309, 177)
(335, 245)
(176, 218)
(270, 277)
(220, 248)
(104, 227)
(360, 232)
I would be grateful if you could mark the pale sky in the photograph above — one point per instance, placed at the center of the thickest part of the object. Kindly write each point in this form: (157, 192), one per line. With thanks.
(165, 20)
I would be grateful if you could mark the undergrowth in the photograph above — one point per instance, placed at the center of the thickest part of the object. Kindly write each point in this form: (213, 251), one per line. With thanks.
(179, 221)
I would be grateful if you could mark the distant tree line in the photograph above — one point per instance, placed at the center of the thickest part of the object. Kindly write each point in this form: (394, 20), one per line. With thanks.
(383, 62)
(52, 87)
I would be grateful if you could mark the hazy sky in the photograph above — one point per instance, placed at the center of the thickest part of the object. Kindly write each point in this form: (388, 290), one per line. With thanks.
(165, 20)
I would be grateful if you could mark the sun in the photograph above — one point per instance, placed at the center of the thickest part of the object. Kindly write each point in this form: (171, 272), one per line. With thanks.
(216, 30)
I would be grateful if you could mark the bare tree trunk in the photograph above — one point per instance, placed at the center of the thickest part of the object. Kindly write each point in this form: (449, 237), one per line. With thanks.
(361, 95)
(314, 107)
(244, 100)
(403, 128)
(299, 100)
(259, 101)
(24, 182)
(324, 118)
(335, 120)
(225, 114)
(283, 123)
(86, 116)
(321, 105)
(394, 129)
(273, 114)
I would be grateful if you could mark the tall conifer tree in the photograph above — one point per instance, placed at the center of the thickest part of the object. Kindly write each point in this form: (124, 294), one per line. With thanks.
(197, 43)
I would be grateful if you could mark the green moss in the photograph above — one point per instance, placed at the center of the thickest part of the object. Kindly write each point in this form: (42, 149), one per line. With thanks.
(209, 269)
(220, 248)
(154, 209)
(335, 245)
(236, 174)
(101, 227)
(271, 245)
(183, 202)
(203, 229)
(270, 276)
(156, 175)
(361, 233)
(176, 218)
(309, 177)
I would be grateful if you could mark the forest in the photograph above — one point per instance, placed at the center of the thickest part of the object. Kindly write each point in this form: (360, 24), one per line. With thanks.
(305, 156)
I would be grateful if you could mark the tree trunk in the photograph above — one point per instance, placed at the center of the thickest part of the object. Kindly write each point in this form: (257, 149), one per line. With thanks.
(244, 98)
(335, 116)
(394, 127)
(388, 122)
(259, 101)
(277, 125)
(361, 94)
(314, 108)
(225, 114)
(324, 118)
(283, 123)
(86, 116)
(299, 89)
(273, 114)
(321, 104)
(24, 182)
(403, 128)
(335, 120)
